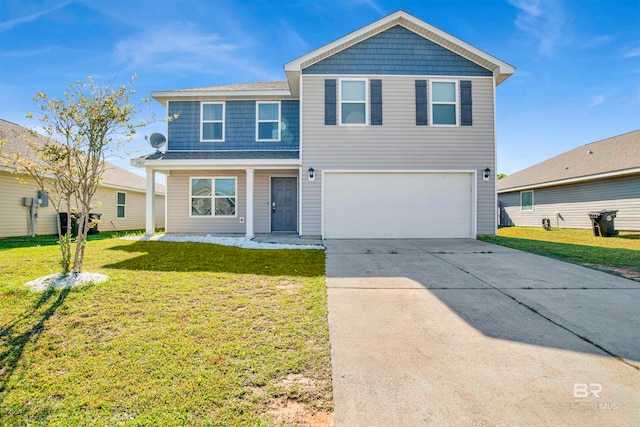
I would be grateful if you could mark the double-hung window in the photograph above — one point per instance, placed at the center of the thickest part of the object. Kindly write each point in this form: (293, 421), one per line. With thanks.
(268, 122)
(213, 196)
(444, 104)
(353, 102)
(121, 205)
(526, 200)
(212, 127)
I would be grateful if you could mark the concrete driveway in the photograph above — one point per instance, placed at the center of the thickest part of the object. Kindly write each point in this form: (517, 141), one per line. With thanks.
(461, 332)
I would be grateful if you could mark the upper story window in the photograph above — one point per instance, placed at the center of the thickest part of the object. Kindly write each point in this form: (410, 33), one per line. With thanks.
(121, 205)
(444, 103)
(268, 121)
(212, 127)
(526, 200)
(353, 102)
(213, 196)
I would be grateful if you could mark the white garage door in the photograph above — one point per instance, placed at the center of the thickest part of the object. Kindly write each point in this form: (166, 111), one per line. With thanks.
(397, 205)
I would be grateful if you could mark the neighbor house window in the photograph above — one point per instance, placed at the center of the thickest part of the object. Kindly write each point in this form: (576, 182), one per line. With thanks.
(444, 103)
(212, 127)
(213, 197)
(353, 102)
(268, 123)
(121, 204)
(526, 200)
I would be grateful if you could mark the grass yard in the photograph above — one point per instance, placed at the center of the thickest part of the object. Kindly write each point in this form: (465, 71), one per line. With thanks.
(619, 255)
(181, 334)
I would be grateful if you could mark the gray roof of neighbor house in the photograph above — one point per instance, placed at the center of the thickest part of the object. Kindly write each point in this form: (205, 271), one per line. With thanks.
(617, 155)
(114, 176)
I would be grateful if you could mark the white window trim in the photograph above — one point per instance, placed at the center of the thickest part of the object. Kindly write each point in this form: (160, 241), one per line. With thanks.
(533, 204)
(212, 197)
(203, 121)
(456, 103)
(366, 101)
(258, 121)
(123, 205)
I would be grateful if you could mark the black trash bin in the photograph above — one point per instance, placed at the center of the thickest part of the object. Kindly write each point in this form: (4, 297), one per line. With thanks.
(74, 223)
(603, 224)
(94, 230)
(63, 223)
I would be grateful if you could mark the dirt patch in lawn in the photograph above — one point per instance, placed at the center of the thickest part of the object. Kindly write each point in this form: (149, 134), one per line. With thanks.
(632, 273)
(285, 410)
(288, 285)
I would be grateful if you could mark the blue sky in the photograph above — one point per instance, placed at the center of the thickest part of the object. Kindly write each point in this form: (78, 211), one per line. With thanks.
(577, 62)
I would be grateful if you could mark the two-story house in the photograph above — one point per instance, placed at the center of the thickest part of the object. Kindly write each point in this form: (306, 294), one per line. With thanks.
(388, 132)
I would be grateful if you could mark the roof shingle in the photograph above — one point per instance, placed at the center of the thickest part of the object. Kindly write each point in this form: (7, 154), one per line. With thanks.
(114, 176)
(614, 154)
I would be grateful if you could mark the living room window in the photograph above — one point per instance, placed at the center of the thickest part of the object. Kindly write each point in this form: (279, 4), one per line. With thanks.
(353, 102)
(212, 127)
(268, 121)
(213, 196)
(444, 103)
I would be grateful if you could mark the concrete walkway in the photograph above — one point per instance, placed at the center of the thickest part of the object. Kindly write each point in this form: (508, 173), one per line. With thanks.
(461, 332)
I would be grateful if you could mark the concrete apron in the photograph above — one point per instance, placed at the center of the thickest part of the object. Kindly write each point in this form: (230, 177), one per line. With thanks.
(460, 332)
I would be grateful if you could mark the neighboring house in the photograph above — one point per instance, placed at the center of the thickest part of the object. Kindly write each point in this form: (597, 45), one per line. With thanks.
(385, 132)
(121, 196)
(603, 175)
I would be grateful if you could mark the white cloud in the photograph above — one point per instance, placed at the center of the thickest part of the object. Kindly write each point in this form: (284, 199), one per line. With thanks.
(182, 47)
(7, 25)
(179, 43)
(369, 3)
(632, 52)
(596, 100)
(545, 21)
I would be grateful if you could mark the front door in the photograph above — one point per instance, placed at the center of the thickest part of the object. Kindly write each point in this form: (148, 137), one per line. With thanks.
(284, 204)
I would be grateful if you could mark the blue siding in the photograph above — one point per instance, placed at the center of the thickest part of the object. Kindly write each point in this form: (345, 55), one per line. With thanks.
(240, 127)
(397, 51)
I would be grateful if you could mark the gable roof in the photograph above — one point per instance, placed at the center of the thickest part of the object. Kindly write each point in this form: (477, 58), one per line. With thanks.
(114, 176)
(501, 70)
(618, 155)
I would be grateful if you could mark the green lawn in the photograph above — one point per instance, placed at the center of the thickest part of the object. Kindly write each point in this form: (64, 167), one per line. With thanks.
(613, 254)
(181, 334)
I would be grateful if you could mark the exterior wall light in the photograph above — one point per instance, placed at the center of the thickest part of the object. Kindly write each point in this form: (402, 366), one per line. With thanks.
(487, 172)
(312, 174)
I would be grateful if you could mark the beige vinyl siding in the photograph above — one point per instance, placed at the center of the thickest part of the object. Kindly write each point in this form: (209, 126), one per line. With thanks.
(574, 201)
(135, 210)
(14, 216)
(179, 220)
(398, 144)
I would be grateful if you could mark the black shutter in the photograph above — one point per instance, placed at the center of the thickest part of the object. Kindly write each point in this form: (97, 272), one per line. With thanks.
(466, 118)
(421, 103)
(330, 102)
(376, 101)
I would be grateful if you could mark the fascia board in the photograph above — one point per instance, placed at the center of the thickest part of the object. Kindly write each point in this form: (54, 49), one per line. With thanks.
(570, 180)
(207, 163)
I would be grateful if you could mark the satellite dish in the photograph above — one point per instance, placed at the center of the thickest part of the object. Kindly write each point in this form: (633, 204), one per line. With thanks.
(157, 140)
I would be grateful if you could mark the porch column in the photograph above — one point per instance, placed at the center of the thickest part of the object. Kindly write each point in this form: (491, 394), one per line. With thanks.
(249, 215)
(150, 205)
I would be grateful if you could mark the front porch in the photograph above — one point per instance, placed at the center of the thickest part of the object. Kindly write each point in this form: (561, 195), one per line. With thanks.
(225, 199)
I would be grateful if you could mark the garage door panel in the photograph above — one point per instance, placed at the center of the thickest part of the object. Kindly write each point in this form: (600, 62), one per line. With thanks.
(397, 205)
